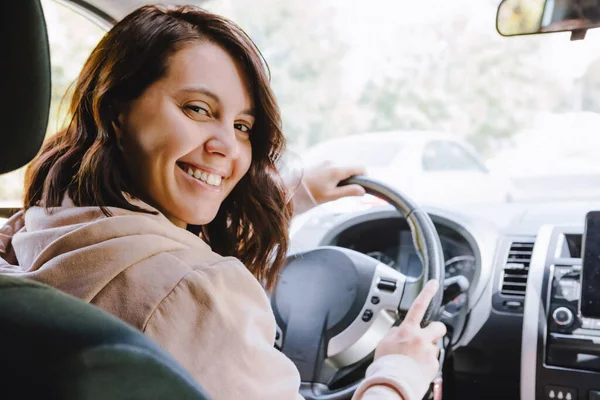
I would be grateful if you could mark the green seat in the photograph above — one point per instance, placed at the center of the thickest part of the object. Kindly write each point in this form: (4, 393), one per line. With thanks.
(52, 345)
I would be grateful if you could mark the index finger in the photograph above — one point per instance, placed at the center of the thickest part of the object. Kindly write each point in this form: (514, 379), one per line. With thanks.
(346, 172)
(418, 308)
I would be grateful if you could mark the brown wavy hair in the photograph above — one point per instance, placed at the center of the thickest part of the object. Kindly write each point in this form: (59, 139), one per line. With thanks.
(84, 160)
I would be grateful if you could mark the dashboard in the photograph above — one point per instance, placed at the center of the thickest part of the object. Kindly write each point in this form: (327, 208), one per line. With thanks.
(509, 339)
(390, 241)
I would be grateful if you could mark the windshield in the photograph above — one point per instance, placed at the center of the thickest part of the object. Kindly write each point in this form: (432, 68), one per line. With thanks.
(528, 106)
(523, 111)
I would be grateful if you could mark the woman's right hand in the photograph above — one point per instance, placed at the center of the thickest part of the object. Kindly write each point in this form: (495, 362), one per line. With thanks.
(411, 340)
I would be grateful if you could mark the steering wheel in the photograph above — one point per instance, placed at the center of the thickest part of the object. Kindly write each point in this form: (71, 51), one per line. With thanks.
(333, 305)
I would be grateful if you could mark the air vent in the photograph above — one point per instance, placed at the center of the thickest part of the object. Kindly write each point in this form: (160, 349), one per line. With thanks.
(516, 269)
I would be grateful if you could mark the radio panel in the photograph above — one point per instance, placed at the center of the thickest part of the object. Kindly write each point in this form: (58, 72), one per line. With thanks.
(573, 340)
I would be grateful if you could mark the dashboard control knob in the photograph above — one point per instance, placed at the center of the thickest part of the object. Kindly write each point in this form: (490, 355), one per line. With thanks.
(563, 316)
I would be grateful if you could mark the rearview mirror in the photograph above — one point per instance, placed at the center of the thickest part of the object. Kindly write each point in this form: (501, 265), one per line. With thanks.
(526, 17)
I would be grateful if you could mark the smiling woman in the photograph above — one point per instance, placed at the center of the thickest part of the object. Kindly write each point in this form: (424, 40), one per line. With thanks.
(161, 202)
(163, 128)
(136, 120)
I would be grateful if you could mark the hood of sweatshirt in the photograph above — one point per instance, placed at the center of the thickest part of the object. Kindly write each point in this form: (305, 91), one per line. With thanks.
(59, 246)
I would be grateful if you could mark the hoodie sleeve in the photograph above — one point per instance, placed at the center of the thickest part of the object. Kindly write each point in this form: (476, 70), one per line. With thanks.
(303, 199)
(394, 377)
(217, 322)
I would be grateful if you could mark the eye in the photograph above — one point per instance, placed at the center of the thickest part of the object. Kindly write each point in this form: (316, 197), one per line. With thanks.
(197, 109)
(242, 128)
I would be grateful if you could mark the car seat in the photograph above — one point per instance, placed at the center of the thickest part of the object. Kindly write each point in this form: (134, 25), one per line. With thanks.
(52, 345)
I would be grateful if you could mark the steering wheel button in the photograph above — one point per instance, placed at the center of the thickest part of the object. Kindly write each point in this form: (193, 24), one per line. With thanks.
(387, 285)
(367, 315)
(375, 300)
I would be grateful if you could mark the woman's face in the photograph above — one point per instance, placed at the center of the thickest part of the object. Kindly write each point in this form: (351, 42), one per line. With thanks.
(186, 139)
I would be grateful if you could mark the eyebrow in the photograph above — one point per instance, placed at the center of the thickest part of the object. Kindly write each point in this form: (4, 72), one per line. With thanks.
(206, 92)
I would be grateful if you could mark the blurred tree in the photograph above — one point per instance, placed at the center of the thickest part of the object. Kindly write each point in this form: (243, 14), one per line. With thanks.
(448, 71)
(72, 38)
(464, 79)
(304, 53)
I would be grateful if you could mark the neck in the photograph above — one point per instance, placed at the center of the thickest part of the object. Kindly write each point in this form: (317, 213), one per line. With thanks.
(177, 222)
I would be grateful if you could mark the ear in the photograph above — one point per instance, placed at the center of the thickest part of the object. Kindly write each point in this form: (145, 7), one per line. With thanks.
(117, 116)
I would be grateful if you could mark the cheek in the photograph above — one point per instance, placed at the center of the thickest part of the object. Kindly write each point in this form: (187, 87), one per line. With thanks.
(159, 142)
(241, 166)
(245, 159)
(169, 136)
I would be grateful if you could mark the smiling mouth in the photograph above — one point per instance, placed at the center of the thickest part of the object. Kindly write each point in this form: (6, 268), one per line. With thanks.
(201, 175)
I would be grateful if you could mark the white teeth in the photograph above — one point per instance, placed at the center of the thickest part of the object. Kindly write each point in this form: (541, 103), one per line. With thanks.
(211, 179)
(214, 180)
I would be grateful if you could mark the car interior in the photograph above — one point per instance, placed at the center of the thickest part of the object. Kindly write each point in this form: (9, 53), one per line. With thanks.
(521, 292)
(56, 346)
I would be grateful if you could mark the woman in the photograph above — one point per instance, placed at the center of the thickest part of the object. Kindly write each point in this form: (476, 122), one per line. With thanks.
(162, 183)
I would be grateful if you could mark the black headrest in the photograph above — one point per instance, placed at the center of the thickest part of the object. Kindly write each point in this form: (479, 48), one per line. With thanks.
(25, 82)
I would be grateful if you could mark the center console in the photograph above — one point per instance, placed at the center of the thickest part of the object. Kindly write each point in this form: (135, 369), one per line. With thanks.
(560, 357)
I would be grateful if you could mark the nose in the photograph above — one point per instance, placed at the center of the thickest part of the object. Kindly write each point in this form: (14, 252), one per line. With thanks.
(224, 142)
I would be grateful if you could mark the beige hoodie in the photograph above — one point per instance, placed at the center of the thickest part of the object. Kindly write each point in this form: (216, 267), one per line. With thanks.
(207, 311)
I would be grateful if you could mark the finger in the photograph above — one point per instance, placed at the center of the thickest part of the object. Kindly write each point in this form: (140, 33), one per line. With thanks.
(417, 310)
(435, 331)
(342, 173)
(349, 190)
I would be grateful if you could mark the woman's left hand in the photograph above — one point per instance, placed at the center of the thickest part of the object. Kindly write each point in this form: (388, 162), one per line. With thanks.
(322, 182)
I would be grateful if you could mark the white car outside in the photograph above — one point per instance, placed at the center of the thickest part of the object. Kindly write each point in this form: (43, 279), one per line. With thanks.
(432, 168)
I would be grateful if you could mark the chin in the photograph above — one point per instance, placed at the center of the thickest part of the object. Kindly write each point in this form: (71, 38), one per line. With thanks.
(200, 219)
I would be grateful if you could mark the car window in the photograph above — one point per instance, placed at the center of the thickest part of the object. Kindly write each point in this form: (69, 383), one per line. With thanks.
(367, 153)
(448, 156)
(529, 106)
(72, 37)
